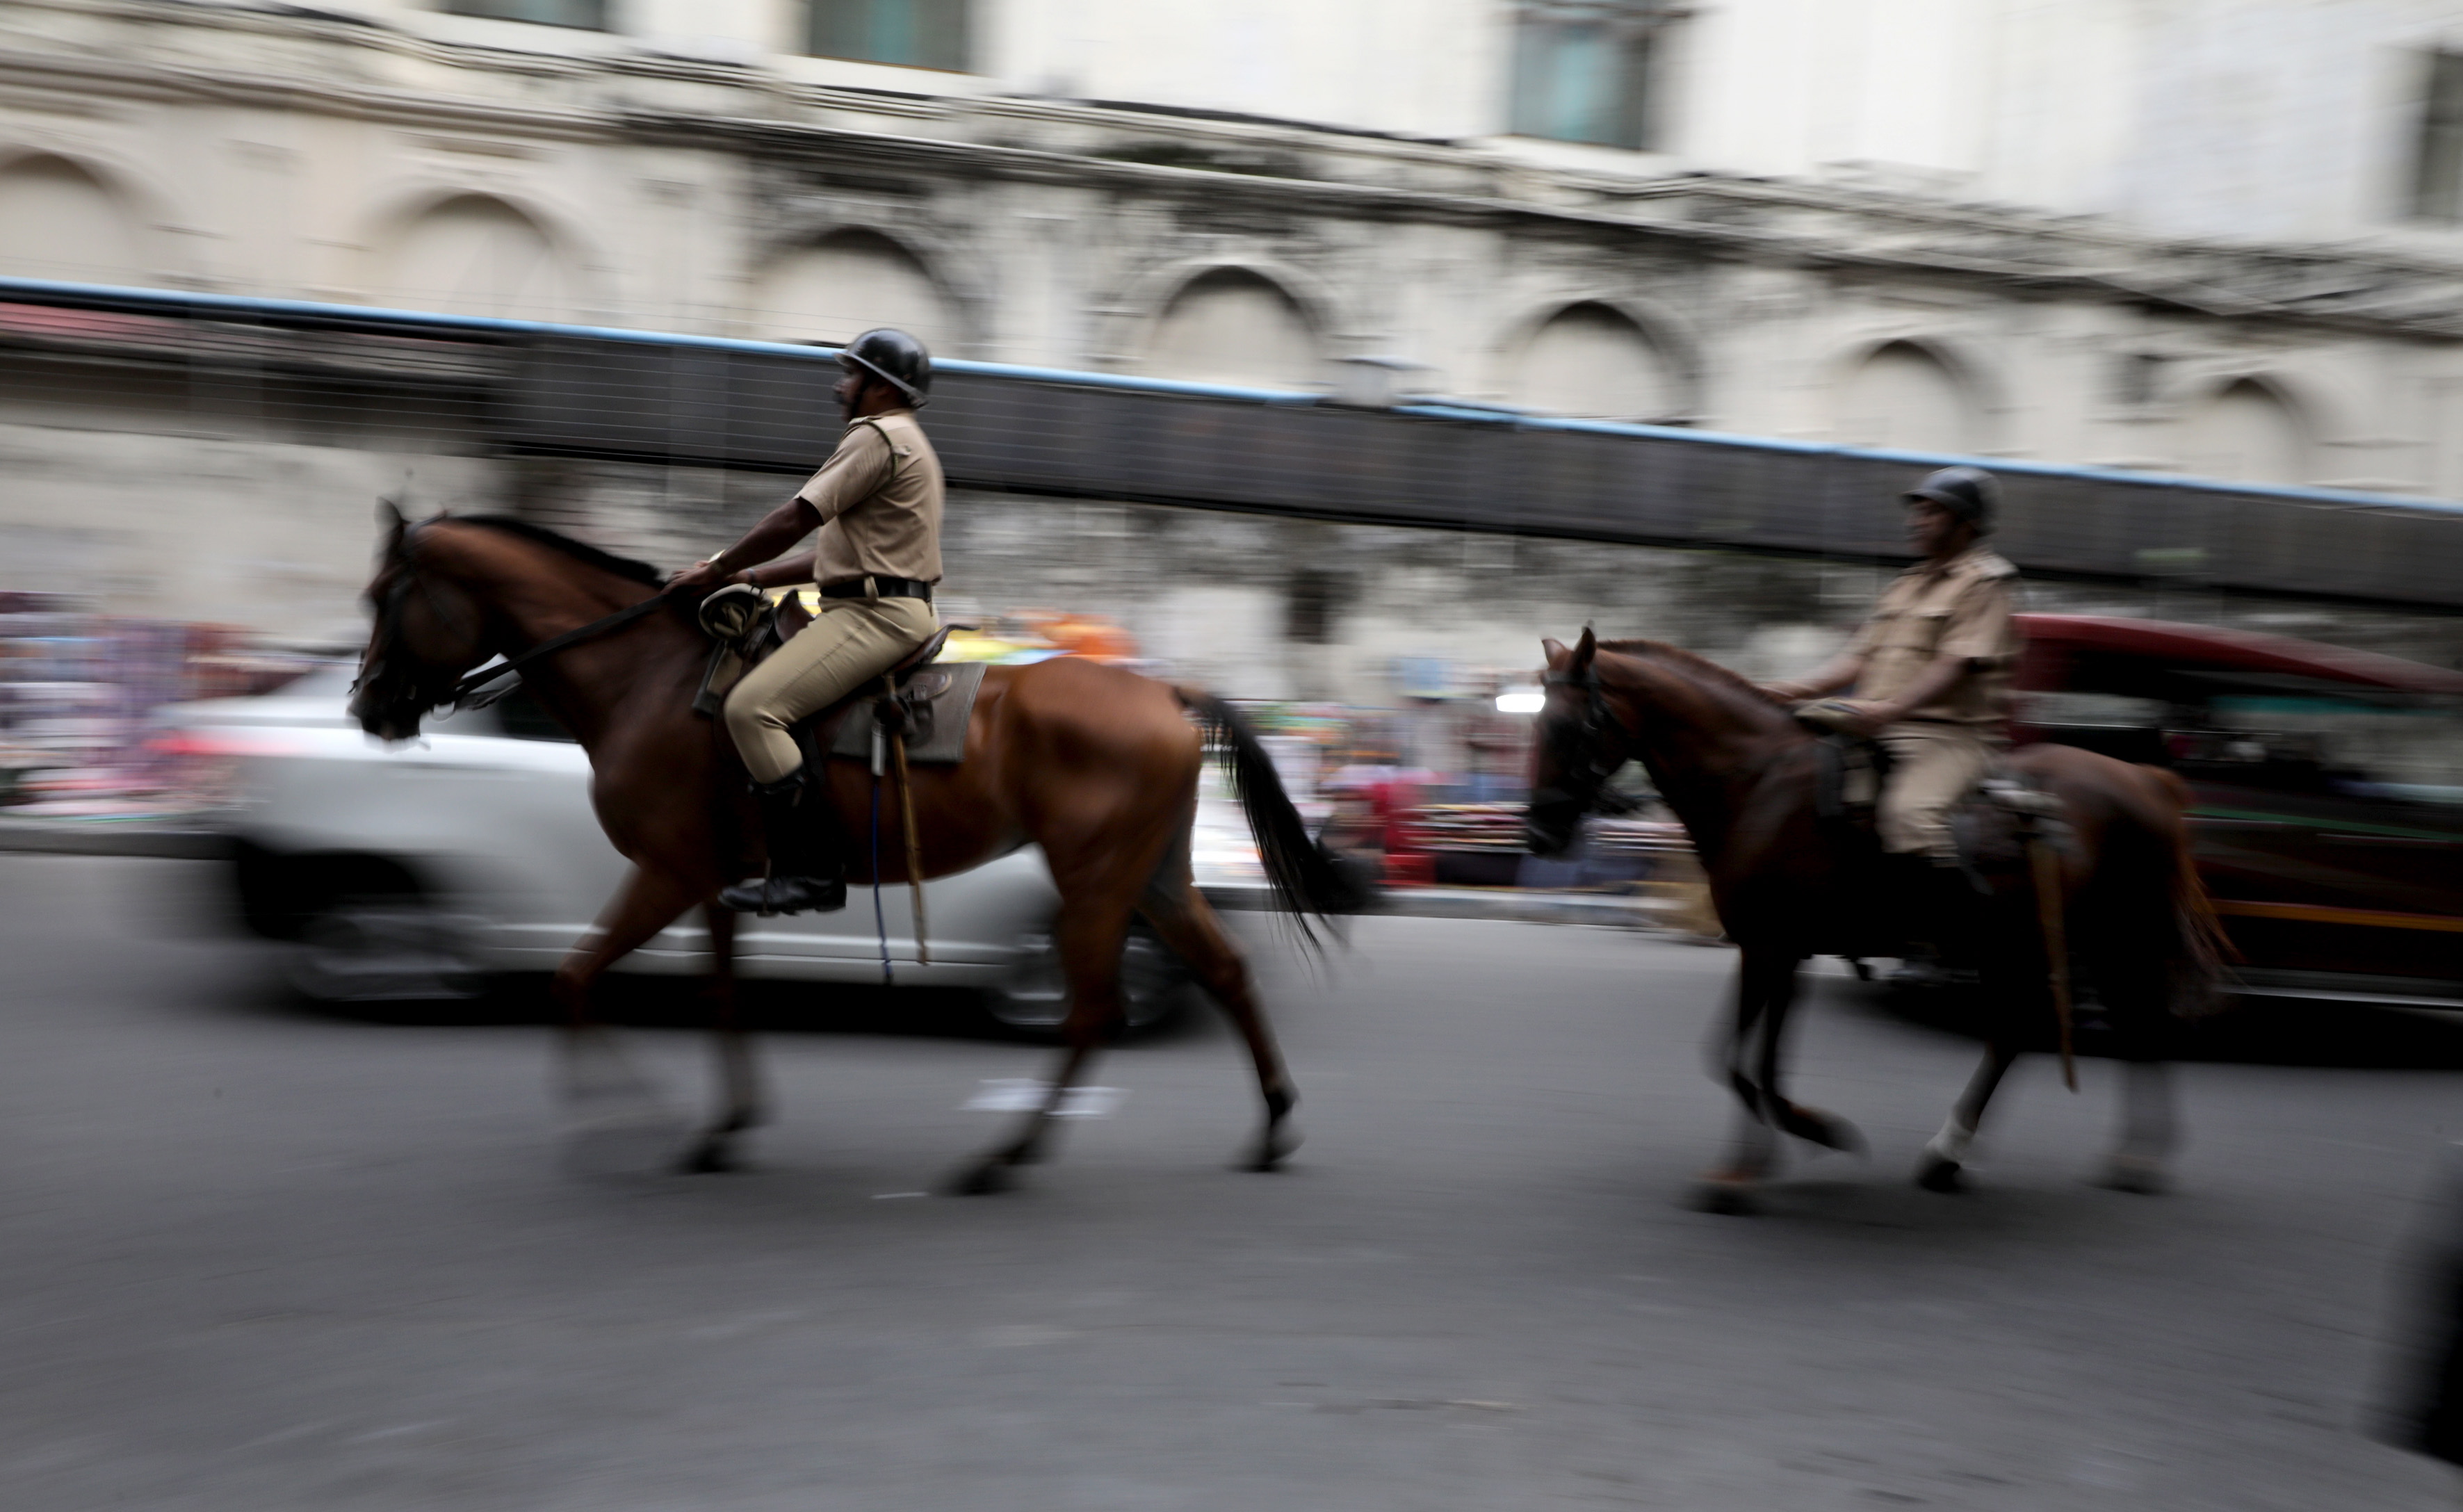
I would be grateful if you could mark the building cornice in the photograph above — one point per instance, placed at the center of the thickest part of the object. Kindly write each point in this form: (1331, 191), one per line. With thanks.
(1850, 230)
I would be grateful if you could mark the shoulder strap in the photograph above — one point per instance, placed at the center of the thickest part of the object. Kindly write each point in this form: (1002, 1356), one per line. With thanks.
(878, 429)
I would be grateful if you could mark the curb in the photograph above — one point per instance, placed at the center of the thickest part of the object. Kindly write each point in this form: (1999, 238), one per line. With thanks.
(72, 837)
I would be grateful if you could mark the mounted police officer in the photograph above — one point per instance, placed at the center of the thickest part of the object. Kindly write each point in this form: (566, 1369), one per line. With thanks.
(877, 503)
(1929, 673)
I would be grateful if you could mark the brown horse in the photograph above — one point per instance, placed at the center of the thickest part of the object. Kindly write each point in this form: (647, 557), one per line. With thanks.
(1741, 773)
(1096, 765)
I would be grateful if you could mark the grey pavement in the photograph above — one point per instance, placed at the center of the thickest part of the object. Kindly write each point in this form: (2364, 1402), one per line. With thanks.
(256, 1257)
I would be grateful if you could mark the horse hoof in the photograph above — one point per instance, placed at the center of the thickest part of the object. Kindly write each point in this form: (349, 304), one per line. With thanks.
(1828, 1130)
(710, 1158)
(1728, 1197)
(2134, 1173)
(1936, 1175)
(1273, 1147)
(990, 1178)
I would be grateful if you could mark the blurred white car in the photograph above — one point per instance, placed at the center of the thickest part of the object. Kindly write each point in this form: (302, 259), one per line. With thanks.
(420, 869)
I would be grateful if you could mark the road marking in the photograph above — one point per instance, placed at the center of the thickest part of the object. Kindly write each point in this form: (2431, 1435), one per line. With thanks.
(1025, 1094)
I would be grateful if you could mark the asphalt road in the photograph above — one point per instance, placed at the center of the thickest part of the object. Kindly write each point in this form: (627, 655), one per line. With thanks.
(255, 1257)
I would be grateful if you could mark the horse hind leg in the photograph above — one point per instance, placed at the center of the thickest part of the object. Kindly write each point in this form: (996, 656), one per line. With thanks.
(1091, 934)
(2136, 986)
(742, 1104)
(1184, 920)
(1942, 1166)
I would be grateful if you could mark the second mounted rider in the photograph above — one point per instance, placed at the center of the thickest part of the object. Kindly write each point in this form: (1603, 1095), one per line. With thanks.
(877, 503)
(1930, 674)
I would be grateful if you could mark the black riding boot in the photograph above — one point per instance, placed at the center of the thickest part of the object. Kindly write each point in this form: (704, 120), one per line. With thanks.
(804, 876)
(1939, 913)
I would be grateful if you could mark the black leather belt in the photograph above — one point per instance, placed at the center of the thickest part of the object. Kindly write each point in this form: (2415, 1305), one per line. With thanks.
(878, 587)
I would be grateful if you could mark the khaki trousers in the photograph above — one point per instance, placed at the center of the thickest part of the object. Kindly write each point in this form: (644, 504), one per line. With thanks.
(849, 643)
(1932, 766)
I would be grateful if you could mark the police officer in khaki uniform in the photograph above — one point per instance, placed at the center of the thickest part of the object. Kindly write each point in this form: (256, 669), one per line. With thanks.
(1930, 670)
(877, 502)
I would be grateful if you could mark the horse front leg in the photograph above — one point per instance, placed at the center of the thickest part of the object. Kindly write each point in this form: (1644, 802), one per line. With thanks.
(741, 1104)
(1734, 1184)
(615, 1118)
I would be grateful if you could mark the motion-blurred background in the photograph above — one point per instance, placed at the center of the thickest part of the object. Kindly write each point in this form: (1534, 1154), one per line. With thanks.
(1328, 353)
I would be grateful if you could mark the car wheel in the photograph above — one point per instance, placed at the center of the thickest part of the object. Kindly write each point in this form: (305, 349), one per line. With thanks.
(382, 947)
(1154, 986)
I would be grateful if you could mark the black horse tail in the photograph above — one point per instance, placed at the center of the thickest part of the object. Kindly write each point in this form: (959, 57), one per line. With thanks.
(1305, 879)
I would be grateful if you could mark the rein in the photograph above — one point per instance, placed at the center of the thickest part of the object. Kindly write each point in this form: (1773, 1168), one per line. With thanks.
(462, 694)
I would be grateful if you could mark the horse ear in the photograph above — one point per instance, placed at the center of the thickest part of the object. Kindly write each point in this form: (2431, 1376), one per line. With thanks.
(1586, 649)
(392, 526)
(1552, 649)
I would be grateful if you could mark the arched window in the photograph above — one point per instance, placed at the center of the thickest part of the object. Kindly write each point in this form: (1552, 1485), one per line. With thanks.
(1903, 396)
(58, 221)
(1591, 362)
(474, 254)
(848, 284)
(2245, 434)
(1230, 326)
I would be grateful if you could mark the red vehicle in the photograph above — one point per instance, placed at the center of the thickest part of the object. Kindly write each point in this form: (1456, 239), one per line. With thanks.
(2328, 785)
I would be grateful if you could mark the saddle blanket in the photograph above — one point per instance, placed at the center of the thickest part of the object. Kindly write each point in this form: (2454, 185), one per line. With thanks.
(945, 700)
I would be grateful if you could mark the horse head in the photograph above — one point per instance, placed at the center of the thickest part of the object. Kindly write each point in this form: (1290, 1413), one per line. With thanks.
(427, 632)
(1581, 744)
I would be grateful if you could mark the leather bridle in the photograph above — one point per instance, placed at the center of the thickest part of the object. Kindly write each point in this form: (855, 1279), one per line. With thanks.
(1590, 765)
(497, 678)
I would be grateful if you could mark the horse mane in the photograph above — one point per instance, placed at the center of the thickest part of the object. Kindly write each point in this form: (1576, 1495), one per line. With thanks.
(625, 567)
(1707, 669)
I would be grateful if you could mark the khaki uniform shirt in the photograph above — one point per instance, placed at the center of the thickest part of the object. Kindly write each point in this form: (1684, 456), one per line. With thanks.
(1961, 608)
(880, 500)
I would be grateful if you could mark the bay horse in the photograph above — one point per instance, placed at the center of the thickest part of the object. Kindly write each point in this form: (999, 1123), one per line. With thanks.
(1095, 764)
(1740, 773)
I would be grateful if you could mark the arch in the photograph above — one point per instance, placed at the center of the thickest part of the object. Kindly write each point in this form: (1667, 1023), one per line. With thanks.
(2247, 431)
(1234, 325)
(1593, 359)
(474, 253)
(60, 220)
(846, 283)
(1909, 395)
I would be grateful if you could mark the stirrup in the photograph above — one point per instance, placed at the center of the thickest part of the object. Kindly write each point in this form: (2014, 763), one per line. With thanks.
(769, 896)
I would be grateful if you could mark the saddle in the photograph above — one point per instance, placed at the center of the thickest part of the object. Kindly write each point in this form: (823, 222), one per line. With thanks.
(1992, 823)
(926, 706)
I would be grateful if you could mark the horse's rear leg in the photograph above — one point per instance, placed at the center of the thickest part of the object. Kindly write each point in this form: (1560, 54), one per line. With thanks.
(1091, 933)
(2141, 1161)
(609, 1102)
(1940, 1168)
(741, 1106)
(1186, 922)
(2141, 1012)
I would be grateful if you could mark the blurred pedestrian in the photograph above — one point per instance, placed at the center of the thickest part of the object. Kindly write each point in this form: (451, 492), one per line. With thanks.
(2428, 1412)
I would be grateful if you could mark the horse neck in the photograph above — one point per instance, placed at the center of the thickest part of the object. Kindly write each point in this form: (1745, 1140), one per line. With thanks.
(1704, 752)
(529, 594)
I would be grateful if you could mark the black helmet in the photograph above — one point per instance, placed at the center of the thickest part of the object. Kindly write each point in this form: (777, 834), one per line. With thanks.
(1969, 492)
(895, 358)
